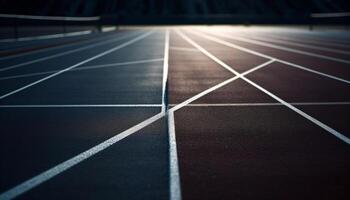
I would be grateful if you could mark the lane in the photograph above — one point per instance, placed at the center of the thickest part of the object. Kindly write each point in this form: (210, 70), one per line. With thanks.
(246, 153)
(190, 72)
(318, 65)
(35, 139)
(129, 84)
(135, 168)
(89, 56)
(47, 55)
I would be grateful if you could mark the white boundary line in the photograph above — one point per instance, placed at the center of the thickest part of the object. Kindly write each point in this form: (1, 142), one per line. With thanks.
(174, 179)
(290, 49)
(44, 37)
(55, 18)
(64, 53)
(165, 70)
(81, 106)
(268, 57)
(78, 64)
(264, 104)
(50, 173)
(85, 68)
(303, 114)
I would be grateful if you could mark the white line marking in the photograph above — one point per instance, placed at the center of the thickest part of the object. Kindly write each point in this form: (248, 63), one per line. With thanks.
(264, 104)
(81, 106)
(290, 49)
(183, 49)
(306, 116)
(268, 57)
(165, 70)
(55, 18)
(64, 53)
(175, 185)
(84, 68)
(302, 45)
(44, 37)
(39, 179)
(78, 64)
(50, 173)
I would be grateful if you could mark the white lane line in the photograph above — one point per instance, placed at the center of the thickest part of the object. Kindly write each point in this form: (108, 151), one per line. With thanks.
(44, 37)
(165, 70)
(183, 49)
(54, 171)
(78, 64)
(268, 57)
(290, 49)
(65, 53)
(175, 185)
(303, 114)
(80, 106)
(264, 104)
(39, 179)
(84, 68)
(302, 45)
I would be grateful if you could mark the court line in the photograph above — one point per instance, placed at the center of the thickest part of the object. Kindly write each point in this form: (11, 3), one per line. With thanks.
(102, 37)
(183, 49)
(298, 111)
(80, 105)
(54, 171)
(84, 68)
(174, 179)
(264, 104)
(78, 64)
(215, 39)
(65, 52)
(289, 49)
(302, 45)
(165, 70)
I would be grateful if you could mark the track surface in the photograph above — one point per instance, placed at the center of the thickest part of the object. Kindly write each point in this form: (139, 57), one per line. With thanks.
(183, 112)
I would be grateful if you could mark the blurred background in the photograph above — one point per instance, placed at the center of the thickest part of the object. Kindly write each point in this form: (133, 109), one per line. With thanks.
(167, 12)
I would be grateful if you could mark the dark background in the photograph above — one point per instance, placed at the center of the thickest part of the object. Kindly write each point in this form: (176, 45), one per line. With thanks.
(181, 11)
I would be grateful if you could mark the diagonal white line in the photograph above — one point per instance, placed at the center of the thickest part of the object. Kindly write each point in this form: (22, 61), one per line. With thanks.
(165, 69)
(84, 68)
(50, 173)
(303, 114)
(78, 64)
(268, 57)
(64, 53)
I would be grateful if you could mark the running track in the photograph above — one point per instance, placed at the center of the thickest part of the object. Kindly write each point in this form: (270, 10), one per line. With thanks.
(177, 113)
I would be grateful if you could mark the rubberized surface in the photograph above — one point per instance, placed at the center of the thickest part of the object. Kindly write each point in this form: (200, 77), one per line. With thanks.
(179, 112)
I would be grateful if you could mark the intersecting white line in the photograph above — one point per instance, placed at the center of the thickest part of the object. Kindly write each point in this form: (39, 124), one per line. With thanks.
(65, 53)
(215, 39)
(78, 64)
(84, 68)
(54, 171)
(242, 76)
